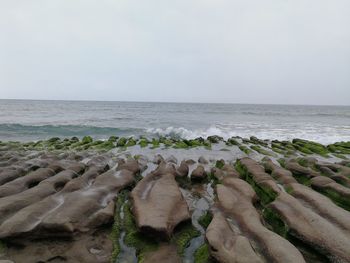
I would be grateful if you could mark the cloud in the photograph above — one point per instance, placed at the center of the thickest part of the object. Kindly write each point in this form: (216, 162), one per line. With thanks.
(202, 51)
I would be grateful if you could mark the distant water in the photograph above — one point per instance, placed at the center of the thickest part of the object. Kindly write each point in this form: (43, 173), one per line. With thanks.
(26, 120)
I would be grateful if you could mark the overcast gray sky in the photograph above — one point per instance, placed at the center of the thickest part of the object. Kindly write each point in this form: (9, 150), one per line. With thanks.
(246, 51)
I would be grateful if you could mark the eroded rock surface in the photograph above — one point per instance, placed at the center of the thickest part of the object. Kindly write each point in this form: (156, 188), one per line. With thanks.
(235, 199)
(69, 202)
(158, 204)
(80, 206)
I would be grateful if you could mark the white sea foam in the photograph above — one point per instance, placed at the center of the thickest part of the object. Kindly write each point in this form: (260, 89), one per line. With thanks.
(325, 135)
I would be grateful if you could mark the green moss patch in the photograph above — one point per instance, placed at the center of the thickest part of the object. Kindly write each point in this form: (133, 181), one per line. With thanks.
(262, 151)
(275, 221)
(265, 194)
(3, 247)
(205, 220)
(202, 254)
(309, 147)
(337, 198)
(184, 233)
(244, 149)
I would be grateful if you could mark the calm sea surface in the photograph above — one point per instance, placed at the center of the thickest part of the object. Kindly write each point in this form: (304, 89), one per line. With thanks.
(27, 120)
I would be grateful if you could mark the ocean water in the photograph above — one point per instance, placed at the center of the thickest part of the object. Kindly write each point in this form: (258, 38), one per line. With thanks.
(27, 120)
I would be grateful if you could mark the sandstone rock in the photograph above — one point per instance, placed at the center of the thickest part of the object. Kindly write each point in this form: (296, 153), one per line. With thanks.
(66, 211)
(30, 180)
(236, 201)
(164, 168)
(165, 254)
(182, 170)
(202, 160)
(12, 204)
(93, 247)
(313, 229)
(158, 205)
(199, 173)
(158, 159)
(264, 181)
(228, 245)
(190, 161)
(337, 192)
(321, 205)
(230, 171)
(282, 175)
(298, 170)
(171, 159)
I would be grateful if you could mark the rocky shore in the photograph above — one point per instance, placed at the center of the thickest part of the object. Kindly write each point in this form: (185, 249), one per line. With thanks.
(174, 200)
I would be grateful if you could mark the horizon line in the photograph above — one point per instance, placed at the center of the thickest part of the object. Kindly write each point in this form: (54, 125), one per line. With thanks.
(178, 102)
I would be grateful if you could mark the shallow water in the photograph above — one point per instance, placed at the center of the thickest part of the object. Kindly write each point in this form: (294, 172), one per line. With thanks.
(127, 254)
(201, 206)
(33, 120)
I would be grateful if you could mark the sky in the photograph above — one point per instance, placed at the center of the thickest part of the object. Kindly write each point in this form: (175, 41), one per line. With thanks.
(229, 51)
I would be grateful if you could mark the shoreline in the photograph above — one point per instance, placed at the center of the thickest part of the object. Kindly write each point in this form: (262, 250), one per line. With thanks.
(286, 148)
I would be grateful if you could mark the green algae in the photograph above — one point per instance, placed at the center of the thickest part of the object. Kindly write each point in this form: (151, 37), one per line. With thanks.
(262, 151)
(339, 147)
(282, 162)
(117, 225)
(257, 141)
(155, 143)
(133, 238)
(232, 141)
(275, 221)
(113, 138)
(265, 194)
(202, 254)
(215, 139)
(3, 247)
(122, 142)
(143, 143)
(220, 163)
(278, 150)
(184, 233)
(205, 219)
(131, 142)
(195, 143)
(337, 198)
(105, 146)
(310, 147)
(180, 145)
(87, 139)
(244, 149)
(184, 182)
(340, 156)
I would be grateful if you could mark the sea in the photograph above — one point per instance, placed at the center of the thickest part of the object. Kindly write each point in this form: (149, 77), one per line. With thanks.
(31, 120)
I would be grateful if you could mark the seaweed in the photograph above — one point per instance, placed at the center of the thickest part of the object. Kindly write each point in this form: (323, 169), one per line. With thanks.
(262, 151)
(244, 149)
(205, 219)
(184, 233)
(202, 254)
